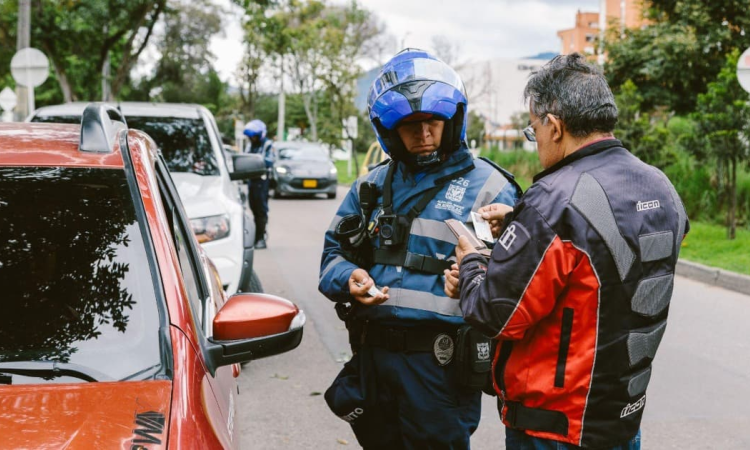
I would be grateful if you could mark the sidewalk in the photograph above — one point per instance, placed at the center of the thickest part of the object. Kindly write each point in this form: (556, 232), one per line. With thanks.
(713, 276)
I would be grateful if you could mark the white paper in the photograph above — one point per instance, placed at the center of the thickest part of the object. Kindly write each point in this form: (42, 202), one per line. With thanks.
(482, 227)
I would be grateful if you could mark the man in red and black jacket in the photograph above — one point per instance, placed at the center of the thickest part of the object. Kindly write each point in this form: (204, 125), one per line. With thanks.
(578, 286)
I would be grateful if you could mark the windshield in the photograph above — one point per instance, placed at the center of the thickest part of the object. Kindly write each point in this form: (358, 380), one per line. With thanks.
(183, 142)
(304, 153)
(75, 278)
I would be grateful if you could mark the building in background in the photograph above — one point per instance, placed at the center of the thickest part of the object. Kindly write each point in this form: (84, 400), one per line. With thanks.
(591, 26)
(582, 38)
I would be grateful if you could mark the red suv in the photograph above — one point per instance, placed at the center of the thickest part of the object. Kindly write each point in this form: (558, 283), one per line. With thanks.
(115, 331)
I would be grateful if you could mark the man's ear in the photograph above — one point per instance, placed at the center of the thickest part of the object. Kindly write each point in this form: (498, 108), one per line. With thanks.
(557, 128)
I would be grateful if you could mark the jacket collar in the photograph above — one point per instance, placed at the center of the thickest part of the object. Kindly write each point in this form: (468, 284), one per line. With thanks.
(588, 150)
(458, 162)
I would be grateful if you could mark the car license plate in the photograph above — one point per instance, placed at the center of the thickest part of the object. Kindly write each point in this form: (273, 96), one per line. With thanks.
(309, 183)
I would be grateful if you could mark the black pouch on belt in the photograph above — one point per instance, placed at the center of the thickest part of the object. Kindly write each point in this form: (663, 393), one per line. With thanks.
(473, 363)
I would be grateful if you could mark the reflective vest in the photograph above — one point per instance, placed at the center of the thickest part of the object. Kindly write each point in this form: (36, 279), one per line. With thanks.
(416, 296)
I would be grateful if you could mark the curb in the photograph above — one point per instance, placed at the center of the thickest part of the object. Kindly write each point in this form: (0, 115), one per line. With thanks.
(713, 276)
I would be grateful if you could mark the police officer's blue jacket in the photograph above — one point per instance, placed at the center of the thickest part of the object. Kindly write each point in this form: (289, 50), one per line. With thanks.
(415, 296)
(265, 149)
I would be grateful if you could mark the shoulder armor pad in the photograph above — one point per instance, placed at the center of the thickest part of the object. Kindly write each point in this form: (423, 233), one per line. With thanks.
(509, 176)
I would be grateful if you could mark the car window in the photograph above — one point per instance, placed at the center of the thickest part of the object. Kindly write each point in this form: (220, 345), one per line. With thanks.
(76, 279)
(187, 268)
(184, 143)
(57, 119)
(304, 153)
(188, 260)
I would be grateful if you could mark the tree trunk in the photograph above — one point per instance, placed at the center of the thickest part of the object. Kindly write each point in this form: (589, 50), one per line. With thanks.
(732, 198)
(62, 80)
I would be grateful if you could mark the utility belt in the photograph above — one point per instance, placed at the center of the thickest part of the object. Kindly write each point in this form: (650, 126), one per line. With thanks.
(468, 351)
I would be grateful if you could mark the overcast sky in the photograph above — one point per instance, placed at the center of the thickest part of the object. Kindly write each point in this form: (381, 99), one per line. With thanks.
(485, 29)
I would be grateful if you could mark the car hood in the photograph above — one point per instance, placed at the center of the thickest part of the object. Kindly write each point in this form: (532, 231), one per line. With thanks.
(86, 415)
(317, 169)
(200, 195)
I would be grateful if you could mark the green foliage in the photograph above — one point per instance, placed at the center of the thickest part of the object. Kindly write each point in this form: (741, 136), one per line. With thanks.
(184, 73)
(79, 37)
(475, 129)
(521, 163)
(315, 46)
(683, 48)
(707, 244)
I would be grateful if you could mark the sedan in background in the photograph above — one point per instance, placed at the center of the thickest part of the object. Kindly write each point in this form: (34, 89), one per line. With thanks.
(303, 168)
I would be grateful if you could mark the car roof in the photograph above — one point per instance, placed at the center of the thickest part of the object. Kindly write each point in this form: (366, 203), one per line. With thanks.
(136, 109)
(50, 144)
(297, 144)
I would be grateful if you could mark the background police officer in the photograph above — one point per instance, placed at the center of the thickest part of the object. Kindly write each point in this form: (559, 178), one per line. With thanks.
(579, 284)
(258, 143)
(389, 232)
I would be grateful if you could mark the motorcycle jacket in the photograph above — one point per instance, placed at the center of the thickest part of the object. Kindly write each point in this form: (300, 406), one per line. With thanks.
(577, 290)
(459, 185)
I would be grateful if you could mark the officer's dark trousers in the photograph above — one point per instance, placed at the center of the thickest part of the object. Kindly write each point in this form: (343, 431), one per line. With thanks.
(258, 199)
(420, 405)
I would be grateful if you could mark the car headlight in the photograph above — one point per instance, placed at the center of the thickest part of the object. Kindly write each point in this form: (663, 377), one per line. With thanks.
(282, 170)
(210, 228)
(333, 171)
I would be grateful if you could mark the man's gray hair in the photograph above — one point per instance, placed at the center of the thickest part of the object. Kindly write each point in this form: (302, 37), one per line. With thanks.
(574, 91)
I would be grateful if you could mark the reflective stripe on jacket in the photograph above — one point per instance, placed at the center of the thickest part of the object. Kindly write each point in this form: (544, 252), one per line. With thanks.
(416, 296)
(578, 289)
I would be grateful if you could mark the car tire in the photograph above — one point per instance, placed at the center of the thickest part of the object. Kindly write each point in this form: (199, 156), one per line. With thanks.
(331, 195)
(276, 193)
(254, 285)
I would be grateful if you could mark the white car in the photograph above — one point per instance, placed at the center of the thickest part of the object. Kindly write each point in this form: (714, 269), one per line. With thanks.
(190, 143)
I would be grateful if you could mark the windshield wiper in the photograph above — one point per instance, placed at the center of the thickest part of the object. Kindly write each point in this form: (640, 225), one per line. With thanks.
(54, 369)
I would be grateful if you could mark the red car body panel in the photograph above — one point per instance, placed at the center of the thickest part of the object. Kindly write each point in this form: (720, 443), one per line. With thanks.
(33, 144)
(198, 408)
(85, 415)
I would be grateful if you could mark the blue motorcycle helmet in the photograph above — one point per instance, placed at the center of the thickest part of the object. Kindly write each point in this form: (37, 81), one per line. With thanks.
(416, 83)
(255, 128)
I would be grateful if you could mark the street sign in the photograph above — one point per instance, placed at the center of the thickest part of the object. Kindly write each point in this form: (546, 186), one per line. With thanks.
(350, 128)
(29, 67)
(8, 99)
(743, 70)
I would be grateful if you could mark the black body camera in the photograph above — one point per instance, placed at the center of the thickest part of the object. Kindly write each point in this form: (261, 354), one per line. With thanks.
(393, 229)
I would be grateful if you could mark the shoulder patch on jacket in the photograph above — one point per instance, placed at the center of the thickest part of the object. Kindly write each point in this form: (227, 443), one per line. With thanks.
(514, 238)
(509, 176)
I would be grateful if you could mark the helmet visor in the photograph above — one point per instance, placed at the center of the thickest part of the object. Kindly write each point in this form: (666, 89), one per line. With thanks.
(415, 69)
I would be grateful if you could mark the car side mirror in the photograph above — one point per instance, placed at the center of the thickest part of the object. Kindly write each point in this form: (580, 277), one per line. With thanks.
(247, 167)
(253, 326)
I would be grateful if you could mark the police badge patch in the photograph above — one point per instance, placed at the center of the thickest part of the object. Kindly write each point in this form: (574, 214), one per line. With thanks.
(443, 348)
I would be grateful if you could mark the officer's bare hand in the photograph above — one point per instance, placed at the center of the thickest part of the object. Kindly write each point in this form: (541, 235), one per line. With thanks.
(464, 248)
(451, 282)
(495, 214)
(359, 283)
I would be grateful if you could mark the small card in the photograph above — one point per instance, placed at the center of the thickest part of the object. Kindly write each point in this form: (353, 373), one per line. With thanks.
(372, 292)
(459, 229)
(482, 227)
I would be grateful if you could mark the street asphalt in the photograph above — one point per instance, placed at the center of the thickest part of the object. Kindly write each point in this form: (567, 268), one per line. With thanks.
(698, 398)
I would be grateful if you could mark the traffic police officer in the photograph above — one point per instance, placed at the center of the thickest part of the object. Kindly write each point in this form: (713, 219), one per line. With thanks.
(256, 131)
(402, 388)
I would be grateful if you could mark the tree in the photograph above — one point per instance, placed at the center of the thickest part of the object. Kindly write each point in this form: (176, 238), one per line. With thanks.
(79, 38)
(316, 46)
(723, 115)
(184, 72)
(679, 52)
